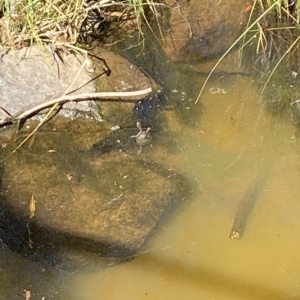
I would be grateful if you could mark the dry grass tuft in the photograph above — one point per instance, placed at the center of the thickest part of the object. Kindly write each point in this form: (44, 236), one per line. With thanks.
(58, 22)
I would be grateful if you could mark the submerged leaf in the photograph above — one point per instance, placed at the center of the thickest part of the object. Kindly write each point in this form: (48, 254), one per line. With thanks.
(32, 207)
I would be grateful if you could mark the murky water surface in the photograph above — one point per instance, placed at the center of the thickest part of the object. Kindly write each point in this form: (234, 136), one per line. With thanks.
(192, 256)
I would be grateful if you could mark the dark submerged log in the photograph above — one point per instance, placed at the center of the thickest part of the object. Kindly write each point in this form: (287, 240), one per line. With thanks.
(248, 200)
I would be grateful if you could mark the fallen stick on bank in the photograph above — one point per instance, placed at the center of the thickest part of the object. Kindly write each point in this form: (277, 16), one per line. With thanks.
(35, 108)
(248, 200)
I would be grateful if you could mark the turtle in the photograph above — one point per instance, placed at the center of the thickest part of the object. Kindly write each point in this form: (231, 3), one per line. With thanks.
(143, 138)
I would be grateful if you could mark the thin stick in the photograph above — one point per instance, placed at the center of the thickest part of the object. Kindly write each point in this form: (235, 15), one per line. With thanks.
(35, 108)
(37, 127)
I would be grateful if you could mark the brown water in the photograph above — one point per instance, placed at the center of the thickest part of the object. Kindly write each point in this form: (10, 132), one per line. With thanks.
(192, 257)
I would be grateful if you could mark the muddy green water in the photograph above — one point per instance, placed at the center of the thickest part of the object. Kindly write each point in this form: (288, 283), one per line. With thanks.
(192, 257)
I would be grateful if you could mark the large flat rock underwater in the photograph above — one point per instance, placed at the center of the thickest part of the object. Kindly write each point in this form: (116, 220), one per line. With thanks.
(69, 207)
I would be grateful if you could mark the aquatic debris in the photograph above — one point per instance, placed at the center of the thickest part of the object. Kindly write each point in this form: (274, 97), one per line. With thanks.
(27, 295)
(115, 127)
(216, 90)
(248, 200)
(32, 207)
(52, 150)
(69, 176)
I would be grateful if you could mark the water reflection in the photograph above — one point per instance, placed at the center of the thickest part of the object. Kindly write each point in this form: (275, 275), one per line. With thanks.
(191, 256)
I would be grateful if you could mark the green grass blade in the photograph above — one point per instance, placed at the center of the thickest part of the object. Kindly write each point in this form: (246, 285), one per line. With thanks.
(233, 45)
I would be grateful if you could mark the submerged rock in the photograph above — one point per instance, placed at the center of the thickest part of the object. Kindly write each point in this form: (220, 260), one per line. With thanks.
(62, 206)
(201, 29)
(31, 75)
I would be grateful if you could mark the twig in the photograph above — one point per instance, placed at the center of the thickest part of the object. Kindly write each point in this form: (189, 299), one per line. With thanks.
(5, 112)
(37, 127)
(37, 107)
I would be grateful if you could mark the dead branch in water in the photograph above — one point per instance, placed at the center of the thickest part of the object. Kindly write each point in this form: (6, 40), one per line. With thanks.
(35, 108)
(248, 200)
